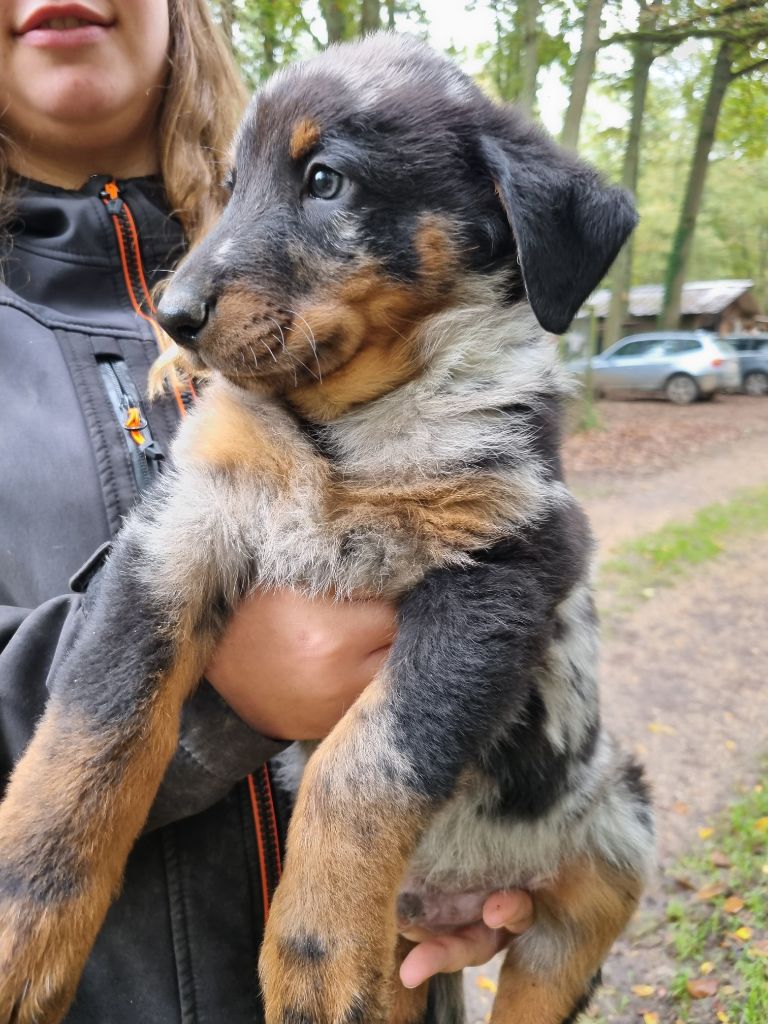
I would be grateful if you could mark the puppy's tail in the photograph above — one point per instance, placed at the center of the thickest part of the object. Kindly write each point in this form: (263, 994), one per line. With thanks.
(446, 999)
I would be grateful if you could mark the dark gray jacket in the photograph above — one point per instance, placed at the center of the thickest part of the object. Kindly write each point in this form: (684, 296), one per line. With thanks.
(181, 942)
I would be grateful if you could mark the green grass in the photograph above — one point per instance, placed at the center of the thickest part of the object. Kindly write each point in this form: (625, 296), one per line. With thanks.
(703, 930)
(660, 558)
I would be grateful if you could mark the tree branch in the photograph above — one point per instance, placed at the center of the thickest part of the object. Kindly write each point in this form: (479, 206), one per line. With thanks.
(750, 67)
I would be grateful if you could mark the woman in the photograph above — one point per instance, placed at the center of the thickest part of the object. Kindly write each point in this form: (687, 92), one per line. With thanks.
(113, 115)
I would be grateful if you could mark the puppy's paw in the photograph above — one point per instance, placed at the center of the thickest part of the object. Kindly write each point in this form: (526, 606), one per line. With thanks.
(312, 975)
(39, 967)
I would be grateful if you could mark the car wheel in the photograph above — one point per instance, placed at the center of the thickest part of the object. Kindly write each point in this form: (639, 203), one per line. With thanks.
(756, 384)
(681, 389)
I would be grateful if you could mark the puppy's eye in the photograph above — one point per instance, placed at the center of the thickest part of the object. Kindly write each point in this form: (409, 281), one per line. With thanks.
(230, 179)
(325, 183)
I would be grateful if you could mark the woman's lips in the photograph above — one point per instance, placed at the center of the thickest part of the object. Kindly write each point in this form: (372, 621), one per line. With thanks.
(61, 38)
(64, 25)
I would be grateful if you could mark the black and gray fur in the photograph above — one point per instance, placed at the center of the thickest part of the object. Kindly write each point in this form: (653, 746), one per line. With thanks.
(488, 718)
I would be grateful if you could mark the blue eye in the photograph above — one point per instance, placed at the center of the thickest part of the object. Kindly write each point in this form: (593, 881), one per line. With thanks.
(324, 182)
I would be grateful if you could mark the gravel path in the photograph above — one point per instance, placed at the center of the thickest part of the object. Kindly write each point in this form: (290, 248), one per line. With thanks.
(683, 674)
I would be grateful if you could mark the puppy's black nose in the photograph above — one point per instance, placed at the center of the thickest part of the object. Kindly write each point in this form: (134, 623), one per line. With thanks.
(183, 315)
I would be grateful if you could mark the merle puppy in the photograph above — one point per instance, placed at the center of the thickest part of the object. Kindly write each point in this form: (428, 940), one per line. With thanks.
(382, 419)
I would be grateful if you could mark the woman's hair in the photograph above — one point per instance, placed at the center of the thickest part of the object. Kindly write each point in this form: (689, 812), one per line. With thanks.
(204, 98)
(201, 109)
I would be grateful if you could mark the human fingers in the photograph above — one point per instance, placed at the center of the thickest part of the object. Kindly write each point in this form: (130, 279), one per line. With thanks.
(443, 954)
(511, 909)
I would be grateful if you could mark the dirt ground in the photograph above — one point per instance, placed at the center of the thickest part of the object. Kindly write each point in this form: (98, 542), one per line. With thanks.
(683, 675)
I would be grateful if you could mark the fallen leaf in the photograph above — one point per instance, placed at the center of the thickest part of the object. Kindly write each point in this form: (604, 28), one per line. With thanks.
(705, 832)
(758, 788)
(643, 990)
(648, 592)
(684, 882)
(701, 988)
(764, 869)
(707, 967)
(728, 990)
(680, 808)
(762, 824)
(730, 745)
(650, 1018)
(720, 860)
(709, 892)
(760, 948)
(743, 933)
(722, 1016)
(487, 984)
(733, 905)
(662, 730)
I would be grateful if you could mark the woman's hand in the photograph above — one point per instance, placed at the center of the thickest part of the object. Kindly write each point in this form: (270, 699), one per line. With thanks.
(504, 914)
(290, 666)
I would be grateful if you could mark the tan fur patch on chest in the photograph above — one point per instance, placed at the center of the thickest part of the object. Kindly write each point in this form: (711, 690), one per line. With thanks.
(464, 513)
(305, 521)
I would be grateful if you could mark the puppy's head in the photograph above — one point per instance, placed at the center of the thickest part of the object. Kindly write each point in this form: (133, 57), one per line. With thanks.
(372, 187)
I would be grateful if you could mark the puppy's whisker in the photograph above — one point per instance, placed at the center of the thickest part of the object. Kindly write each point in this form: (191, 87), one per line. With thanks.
(253, 353)
(280, 329)
(309, 334)
(266, 346)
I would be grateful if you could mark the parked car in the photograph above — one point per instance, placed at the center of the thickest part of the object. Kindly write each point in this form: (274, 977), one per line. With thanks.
(752, 353)
(682, 365)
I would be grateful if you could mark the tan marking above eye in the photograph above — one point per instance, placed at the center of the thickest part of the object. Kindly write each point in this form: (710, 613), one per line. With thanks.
(305, 136)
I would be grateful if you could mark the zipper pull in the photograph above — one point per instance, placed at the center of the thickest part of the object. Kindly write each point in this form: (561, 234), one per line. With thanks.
(134, 423)
(110, 196)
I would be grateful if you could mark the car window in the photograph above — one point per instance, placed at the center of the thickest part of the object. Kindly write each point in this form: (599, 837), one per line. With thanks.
(741, 344)
(725, 347)
(677, 345)
(634, 348)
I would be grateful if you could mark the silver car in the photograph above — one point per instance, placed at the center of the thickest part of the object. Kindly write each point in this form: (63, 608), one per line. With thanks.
(682, 365)
(752, 353)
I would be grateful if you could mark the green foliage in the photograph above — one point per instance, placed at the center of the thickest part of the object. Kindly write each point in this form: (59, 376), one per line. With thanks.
(660, 558)
(703, 928)
(503, 56)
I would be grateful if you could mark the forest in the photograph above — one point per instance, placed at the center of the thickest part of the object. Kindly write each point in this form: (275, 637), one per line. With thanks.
(668, 98)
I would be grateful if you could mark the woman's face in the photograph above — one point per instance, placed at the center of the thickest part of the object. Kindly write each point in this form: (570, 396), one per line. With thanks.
(88, 72)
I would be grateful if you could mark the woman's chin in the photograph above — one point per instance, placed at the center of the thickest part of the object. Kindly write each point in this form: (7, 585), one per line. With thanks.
(89, 94)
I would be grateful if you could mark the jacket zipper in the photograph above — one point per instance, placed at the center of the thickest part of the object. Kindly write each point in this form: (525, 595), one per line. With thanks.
(267, 834)
(259, 783)
(143, 451)
(133, 273)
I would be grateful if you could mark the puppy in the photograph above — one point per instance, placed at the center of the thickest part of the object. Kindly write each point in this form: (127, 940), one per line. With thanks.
(382, 420)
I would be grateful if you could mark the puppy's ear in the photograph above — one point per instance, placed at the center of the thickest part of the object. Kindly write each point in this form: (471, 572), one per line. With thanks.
(567, 224)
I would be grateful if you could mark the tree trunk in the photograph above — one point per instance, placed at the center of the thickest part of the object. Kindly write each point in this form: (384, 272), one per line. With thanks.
(334, 16)
(370, 16)
(621, 274)
(267, 23)
(583, 70)
(526, 99)
(679, 257)
(227, 17)
(390, 15)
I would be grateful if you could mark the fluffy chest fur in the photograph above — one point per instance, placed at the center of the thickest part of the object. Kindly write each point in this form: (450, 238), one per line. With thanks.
(366, 505)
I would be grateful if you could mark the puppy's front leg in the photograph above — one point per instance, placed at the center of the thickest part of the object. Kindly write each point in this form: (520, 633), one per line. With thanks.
(461, 662)
(81, 793)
